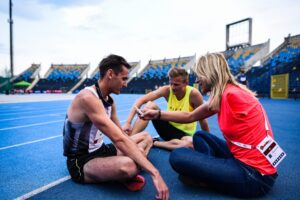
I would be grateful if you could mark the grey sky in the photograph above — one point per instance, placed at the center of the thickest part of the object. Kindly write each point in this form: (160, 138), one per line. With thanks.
(84, 31)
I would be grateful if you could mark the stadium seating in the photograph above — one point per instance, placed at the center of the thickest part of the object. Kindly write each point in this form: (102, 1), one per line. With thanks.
(61, 78)
(96, 75)
(28, 73)
(154, 75)
(285, 60)
(236, 58)
(287, 54)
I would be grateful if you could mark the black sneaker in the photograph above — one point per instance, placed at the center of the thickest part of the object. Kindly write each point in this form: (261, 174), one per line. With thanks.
(155, 139)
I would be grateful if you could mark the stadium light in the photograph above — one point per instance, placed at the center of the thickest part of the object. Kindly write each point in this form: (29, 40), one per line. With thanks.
(10, 21)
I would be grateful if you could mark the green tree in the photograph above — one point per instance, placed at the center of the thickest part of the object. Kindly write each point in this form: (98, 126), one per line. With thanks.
(5, 84)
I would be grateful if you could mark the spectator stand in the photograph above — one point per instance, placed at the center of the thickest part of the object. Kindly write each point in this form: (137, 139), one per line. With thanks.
(155, 74)
(245, 57)
(30, 75)
(96, 75)
(284, 59)
(61, 78)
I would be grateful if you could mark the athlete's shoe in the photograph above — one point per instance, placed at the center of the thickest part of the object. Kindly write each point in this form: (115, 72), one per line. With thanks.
(155, 139)
(136, 183)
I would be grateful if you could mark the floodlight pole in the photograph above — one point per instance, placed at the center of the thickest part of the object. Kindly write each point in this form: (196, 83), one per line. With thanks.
(10, 21)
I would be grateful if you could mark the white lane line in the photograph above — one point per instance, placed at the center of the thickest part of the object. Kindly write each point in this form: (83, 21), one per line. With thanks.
(20, 112)
(34, 141)
(37, 124)
(42, 189)
(33, 116)
(46, 187)
(51, 122)
(30, 142)
(29, 125)
(50, 185)
(14, 112)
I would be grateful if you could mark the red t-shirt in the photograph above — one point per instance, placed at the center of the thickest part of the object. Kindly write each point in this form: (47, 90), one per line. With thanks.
(241, 119)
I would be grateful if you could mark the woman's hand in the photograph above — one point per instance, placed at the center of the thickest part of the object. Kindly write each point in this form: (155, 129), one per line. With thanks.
(149, 114)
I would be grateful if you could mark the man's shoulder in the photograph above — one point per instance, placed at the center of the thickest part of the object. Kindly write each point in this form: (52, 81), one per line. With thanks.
(84, 95)
(162, 91)
(194, 91)
(165, 88)
(196, 97)
(77, 110)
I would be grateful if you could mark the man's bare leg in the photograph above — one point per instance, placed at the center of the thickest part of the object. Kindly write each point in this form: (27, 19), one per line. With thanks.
(140, 125)
(144, 141)
(116, 168)
(186, 141)
(109, 169)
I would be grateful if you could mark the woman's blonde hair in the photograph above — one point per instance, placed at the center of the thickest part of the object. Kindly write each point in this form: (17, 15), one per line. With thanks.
(213, 69)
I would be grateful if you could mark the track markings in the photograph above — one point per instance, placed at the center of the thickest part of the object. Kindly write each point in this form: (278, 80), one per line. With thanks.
(33, 116)
(29, 125)
(42, 189)
(30, 142)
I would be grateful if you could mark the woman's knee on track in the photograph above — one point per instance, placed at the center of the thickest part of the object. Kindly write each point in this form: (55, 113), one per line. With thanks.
(178, 157)
(199, 142)
(201, 134)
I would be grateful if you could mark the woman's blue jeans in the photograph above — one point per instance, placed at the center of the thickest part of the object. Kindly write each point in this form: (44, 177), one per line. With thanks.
(212, 163)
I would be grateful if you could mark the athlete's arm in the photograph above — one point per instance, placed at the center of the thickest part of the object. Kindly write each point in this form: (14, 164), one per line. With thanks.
(151, 96)
(95, 111)
(114, 116)
(200, 113)
(196, 99)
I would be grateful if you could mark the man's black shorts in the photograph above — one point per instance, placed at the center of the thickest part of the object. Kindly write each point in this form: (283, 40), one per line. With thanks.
(75, 165)
(166, 131)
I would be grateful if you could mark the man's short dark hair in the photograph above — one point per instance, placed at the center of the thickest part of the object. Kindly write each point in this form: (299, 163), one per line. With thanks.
(178, 72)
(113, 62)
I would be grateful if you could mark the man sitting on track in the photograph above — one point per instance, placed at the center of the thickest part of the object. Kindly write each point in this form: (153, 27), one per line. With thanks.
(91, 115)
(180, 97)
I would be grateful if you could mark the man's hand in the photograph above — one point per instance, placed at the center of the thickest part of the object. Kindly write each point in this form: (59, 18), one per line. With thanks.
(127, 128)
(161, 187)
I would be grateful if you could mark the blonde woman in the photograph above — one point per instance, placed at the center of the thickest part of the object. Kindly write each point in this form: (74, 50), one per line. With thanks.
(234, 166)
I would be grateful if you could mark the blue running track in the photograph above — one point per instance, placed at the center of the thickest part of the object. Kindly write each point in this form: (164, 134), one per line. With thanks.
(32, 164)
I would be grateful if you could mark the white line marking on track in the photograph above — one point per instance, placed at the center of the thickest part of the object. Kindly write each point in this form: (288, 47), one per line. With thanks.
(46, 187)
(34, 141)
(52, 184)
(29, 125)
(33, 116)
(42, 189)
(30, 142)
(25, 112)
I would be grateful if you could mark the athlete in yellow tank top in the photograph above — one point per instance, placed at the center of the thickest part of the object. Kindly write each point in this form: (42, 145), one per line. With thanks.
(182, 105)
(179, 96)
